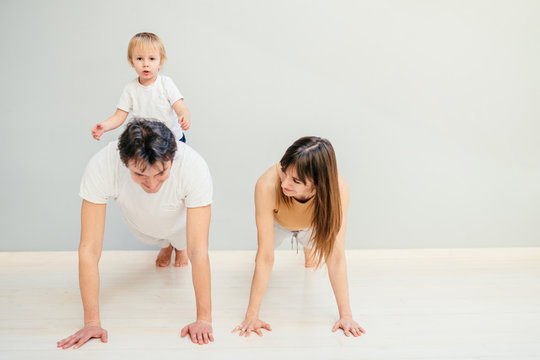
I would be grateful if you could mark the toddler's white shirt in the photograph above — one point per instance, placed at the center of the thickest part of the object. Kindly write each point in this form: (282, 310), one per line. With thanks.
(153, 102)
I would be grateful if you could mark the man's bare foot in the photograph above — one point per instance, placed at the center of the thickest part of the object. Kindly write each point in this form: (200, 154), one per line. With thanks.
(181, 258)
(309, 257)
(164, 256)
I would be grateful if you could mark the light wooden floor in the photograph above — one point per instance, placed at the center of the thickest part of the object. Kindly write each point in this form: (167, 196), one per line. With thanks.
(414, 304)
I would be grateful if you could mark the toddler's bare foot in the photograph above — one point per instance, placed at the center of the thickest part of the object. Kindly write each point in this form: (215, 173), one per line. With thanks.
(181, 258)
(309, 257)
(164, 257)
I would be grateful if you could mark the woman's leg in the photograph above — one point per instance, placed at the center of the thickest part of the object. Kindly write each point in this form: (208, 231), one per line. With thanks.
(309, 258)
(304, 238)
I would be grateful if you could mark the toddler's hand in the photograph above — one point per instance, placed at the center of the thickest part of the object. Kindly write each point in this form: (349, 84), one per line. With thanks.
(184, 123)
(97, 131)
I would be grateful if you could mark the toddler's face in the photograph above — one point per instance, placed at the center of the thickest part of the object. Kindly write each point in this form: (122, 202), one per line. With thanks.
(146, 63)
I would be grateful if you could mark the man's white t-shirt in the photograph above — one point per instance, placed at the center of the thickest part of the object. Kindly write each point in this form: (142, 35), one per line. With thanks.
(158, 218)
(154, 101)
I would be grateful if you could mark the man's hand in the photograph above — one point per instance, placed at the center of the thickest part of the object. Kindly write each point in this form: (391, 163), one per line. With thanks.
(82, 336)
(200, 332)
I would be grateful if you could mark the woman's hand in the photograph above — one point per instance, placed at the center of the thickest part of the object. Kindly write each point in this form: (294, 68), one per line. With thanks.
(200, 332)
(251, 324)
(82, 336)
(349, 326)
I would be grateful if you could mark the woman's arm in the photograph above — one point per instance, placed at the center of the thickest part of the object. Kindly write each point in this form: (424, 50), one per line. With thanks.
(92, 228)
(264, 261)
(337, 271)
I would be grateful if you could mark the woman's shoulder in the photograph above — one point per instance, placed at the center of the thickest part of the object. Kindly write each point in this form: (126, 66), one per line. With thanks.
(343, 191)
(343, 185)
(265, 188)
(269, 179)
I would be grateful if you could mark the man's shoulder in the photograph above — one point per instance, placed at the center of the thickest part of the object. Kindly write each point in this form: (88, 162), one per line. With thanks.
(188, 161)
(185, 152)
(109, 154)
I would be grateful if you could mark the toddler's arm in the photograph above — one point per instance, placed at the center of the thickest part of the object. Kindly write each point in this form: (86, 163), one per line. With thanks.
(111, 123)
(184, 117)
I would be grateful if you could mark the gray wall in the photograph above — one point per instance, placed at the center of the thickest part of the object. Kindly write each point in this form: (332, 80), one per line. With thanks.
(432, 106)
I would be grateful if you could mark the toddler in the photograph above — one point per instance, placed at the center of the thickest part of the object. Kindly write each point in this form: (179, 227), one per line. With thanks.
(150, 95)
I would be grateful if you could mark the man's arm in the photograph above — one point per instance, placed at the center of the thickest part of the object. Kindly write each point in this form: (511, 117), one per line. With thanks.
(92, 228)
(197, 227)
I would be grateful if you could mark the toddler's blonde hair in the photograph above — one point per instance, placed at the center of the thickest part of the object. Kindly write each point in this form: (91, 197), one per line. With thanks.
(146, 40)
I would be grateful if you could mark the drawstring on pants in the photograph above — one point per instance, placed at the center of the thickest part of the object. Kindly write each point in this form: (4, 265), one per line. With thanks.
(293, 239)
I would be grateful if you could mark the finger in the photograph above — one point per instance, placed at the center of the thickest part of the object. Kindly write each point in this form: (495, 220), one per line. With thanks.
(266, 326)
(63, 341)
(346, 332)
(184, 331)
(193, 338)
(355, 332)
(105, 336)
(259, 332)
(235, 329)
(211, 337)
(248, 332)
(205, 338)
(361, 330)
(70, 343)
(336, 326)
(81, 342)
(200, 339)
(242, 332)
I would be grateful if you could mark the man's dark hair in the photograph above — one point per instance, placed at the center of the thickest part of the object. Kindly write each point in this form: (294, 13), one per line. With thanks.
(146, 142)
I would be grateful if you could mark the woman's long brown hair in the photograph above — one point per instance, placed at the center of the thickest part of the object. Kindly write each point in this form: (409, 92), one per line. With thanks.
(314, 159)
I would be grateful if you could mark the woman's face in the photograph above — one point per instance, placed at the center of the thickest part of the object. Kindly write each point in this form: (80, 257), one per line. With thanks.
(291, 185)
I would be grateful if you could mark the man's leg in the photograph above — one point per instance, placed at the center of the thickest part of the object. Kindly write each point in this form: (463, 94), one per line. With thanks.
(181, 259)
(164, 257)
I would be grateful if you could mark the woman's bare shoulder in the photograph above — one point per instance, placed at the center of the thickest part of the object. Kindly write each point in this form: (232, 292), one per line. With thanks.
(343, 187)
(268, 180)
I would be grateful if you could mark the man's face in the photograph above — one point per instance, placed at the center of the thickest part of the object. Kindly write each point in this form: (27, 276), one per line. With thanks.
(152, 177)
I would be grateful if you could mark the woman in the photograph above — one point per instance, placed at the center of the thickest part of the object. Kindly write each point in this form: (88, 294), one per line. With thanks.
(302, 198)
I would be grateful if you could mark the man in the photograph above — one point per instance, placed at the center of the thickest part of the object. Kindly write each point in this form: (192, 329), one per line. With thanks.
(164, 191)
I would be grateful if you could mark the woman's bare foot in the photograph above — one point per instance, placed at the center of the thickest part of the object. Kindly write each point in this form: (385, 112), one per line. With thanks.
(181, 259)
(164, 256)
(309, 257)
